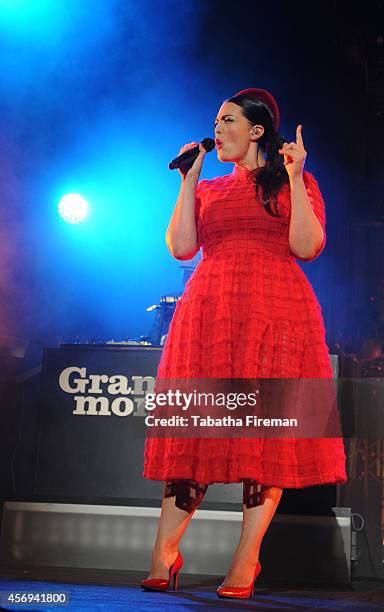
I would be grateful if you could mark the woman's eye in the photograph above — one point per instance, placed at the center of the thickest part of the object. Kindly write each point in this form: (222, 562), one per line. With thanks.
(226, 120)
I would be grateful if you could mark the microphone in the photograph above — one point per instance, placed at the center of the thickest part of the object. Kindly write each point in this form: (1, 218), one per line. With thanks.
(185, 160)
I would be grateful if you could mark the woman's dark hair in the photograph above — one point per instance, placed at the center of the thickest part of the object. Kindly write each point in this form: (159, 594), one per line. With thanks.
(273, 175)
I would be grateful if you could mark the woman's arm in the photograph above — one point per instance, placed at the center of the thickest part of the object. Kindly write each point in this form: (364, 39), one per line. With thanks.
(305, 232)
(181, 235)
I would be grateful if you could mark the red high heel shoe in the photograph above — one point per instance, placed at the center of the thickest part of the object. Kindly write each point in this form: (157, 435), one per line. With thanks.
(161, 584)
(239, 592)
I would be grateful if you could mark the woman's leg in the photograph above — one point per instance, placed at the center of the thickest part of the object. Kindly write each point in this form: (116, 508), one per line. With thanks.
(180, 500)
(259, 506)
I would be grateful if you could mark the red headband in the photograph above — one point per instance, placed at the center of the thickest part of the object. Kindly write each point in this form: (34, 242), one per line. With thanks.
(264, 96)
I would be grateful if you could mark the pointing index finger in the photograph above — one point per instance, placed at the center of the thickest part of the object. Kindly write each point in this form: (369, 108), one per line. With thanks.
(299, 138)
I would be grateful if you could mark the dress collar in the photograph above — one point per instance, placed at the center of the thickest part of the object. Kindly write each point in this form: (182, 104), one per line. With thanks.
(243, 174)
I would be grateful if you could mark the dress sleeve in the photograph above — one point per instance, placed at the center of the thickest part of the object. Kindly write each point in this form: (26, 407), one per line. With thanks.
(317, 202)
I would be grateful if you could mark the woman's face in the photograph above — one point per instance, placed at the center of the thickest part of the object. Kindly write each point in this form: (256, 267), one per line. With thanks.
(233, 133)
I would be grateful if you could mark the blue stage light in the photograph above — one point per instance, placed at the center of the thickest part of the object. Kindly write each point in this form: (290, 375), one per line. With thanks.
(73, 208)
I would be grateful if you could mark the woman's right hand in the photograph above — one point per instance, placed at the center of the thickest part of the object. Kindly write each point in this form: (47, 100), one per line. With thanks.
(197, 164)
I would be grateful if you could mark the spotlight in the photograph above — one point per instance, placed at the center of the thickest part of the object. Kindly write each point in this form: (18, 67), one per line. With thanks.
(73, 208)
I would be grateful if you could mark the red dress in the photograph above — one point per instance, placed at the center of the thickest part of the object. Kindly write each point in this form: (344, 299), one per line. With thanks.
(247, 311)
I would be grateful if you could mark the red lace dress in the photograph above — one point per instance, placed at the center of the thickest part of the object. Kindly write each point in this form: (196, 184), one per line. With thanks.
(247, 311)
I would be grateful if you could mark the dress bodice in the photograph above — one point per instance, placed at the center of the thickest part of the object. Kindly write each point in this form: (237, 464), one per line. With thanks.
(231, 217)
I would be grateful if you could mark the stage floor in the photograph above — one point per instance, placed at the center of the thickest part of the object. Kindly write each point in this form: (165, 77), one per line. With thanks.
(119, 591)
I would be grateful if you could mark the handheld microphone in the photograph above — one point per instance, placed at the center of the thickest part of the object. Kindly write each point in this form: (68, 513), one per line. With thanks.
(185, 160)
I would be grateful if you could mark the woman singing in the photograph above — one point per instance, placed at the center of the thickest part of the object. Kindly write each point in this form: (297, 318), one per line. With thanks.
(248, 311)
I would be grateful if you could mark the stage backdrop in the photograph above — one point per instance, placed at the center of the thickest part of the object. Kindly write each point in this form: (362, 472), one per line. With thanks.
(91, 432)
(91, 439)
